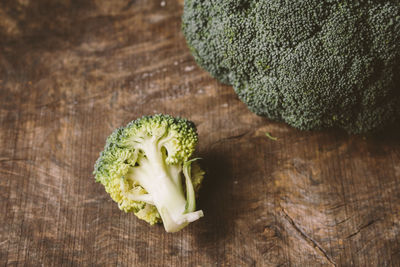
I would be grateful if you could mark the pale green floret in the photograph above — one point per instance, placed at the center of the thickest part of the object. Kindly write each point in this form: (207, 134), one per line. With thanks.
(142, 166)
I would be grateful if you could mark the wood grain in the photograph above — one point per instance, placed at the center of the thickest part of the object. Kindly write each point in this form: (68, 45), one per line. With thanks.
(72, 71)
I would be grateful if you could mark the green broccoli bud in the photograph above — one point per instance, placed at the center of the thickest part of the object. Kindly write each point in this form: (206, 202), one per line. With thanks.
(312, 64)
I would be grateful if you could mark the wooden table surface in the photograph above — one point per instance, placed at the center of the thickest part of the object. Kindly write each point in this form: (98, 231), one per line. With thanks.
(72, 71)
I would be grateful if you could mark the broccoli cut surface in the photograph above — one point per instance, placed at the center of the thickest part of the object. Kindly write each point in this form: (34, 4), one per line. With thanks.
(146, 168)
(313, 64)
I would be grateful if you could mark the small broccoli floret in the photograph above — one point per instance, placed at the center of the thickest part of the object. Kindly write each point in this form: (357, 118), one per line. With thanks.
(312, 64)
(142, 167)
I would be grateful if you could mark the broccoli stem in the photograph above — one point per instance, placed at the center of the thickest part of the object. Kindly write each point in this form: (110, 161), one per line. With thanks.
(165, 191)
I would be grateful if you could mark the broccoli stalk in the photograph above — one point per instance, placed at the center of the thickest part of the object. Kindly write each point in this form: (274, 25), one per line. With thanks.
(147, 159)
(164, 186)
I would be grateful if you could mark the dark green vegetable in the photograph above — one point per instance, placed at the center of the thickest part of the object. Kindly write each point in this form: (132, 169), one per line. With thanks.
(312, 64)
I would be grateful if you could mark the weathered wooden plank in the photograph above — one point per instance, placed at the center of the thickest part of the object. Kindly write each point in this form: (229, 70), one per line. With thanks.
(72, 71)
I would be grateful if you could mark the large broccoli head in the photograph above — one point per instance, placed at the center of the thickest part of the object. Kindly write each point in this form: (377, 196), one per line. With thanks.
(312, 64)
(146, 168)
